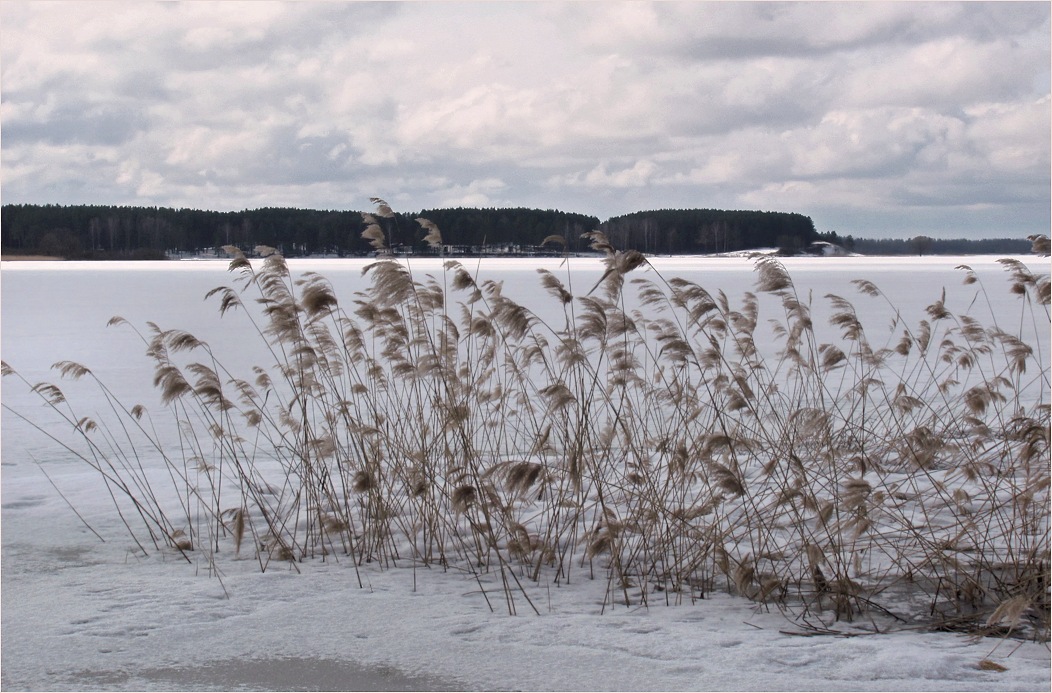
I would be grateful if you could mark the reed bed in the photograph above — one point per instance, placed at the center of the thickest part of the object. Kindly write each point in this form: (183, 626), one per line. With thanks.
(895, 479)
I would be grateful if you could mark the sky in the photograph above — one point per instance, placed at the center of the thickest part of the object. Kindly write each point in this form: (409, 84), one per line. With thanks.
(874, 119)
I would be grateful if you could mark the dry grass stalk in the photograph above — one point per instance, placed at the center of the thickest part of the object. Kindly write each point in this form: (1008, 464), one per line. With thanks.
(651, 435)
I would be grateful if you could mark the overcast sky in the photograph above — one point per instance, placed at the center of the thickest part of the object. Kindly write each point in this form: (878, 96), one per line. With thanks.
(874, 119)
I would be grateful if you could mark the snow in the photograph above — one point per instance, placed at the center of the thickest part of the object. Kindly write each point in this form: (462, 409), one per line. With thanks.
(79, 613)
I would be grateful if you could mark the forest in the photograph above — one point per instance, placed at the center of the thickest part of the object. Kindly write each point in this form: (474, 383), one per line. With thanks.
(924, 245)
(150, 233)
(679, 231)
(104, 232)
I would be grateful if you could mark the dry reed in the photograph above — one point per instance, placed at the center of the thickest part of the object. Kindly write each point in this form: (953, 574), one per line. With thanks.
(895, 479)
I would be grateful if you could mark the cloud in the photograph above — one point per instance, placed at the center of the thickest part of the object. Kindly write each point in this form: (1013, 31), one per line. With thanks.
(602, 108)
(640, 173)
(1013, 139)
(477, 193)
(871, 142)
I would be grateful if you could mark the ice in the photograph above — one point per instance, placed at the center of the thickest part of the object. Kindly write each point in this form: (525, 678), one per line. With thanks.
(80, 613)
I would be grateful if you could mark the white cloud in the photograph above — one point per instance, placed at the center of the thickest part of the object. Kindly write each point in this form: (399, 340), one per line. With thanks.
(943, 73)
(477, 193)
(1013, 137)
(871, 142)
(639, 174)
(593, 107)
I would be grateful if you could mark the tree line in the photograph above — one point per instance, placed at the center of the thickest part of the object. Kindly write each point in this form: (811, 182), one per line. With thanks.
(105, 232)
(90, 231)
(925, 245)
(112, 232)
(704, 231)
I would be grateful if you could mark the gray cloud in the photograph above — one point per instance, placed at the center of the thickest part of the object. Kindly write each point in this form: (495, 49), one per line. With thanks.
(866, 116)
(99, 124)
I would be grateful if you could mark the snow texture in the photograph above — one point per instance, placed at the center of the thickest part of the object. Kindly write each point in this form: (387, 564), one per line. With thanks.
(79, 613)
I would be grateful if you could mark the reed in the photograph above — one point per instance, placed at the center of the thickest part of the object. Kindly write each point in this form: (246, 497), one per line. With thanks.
(895, 478)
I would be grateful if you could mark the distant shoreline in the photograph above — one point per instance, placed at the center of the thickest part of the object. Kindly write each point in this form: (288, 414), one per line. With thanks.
(755, 253)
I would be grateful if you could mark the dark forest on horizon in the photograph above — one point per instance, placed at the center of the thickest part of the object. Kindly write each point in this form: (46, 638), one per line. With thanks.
(119, 232)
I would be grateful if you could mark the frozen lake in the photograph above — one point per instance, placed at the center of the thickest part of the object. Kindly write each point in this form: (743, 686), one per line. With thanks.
(55, 311)
(81, 613)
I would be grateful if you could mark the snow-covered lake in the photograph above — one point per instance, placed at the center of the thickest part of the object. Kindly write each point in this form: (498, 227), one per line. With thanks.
(82, 613)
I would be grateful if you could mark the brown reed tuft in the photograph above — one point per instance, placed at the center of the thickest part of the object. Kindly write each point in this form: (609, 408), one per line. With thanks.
(662, 434)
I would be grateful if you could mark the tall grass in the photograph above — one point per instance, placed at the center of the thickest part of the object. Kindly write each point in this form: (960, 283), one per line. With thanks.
(643, 438)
